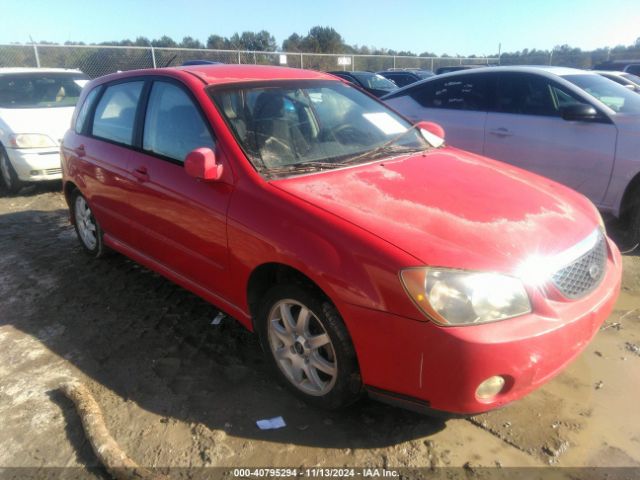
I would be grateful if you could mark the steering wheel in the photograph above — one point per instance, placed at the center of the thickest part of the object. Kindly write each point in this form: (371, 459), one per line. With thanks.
(348, 134)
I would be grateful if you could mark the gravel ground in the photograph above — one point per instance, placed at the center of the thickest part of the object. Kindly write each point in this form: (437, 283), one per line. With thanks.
(177, 391)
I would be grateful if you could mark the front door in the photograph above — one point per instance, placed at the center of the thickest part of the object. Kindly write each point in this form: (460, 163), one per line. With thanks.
(181, 220)
(525, 129)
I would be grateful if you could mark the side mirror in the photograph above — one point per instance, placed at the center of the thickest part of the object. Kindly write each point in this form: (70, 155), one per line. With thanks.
(201, 163)
(578, 111)
(432, 133)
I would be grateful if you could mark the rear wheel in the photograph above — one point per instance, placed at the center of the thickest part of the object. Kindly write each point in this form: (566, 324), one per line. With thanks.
(12, 183)
(309, 347)
(87, 228)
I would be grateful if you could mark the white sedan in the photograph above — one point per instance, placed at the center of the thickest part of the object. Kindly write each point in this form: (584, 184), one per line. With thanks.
(36, 105)
(573, 126)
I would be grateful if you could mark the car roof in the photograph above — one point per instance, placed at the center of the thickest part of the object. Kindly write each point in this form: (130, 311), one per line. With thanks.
(410, 72)
(617, 73)
(16, 70)
(223, 73)
(544, 69)
(352, 72)
(547, 71)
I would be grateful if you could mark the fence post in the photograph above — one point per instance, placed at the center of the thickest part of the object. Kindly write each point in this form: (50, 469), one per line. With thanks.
(394, 62)
(432, 64)
(301, 60)
(153, 57)
(353, 63)
(35, 51)
(239, 57)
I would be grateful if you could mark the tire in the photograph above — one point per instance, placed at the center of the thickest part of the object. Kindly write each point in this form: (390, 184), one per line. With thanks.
(311, 352)
(633, 233)
(12, 184)
(87, 228)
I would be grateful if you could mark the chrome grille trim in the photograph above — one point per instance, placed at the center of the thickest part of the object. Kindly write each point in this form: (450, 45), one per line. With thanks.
(584, 266)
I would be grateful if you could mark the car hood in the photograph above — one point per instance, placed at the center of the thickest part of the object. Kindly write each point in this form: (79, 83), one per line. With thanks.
(451, 208)
(53, 122)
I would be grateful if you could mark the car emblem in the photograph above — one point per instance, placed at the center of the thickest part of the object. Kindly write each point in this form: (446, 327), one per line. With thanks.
(594, 271)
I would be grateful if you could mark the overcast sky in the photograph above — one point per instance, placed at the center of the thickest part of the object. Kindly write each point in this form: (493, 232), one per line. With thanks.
(454, 27)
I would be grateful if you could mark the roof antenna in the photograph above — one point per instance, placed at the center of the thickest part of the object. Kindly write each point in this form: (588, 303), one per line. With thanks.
(170, 61)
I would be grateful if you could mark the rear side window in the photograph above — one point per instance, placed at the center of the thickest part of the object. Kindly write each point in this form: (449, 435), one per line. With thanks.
(116, 112)
(173, 125)
(464, 92)
(84, 110)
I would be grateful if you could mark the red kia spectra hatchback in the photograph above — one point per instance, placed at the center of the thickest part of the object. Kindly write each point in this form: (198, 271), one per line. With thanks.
(366, 254)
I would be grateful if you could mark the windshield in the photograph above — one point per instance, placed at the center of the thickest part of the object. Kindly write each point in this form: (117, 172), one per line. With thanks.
(296, 126)
(613, 95)
(375, 81)
(41, 90)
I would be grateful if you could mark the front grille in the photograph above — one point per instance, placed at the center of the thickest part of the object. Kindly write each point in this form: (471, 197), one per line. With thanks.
(53, 171)
(585, 272)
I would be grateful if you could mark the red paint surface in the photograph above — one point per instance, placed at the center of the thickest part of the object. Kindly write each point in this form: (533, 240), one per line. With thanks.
(351, 231)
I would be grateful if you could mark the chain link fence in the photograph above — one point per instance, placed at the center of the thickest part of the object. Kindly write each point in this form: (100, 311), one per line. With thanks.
(101, 60)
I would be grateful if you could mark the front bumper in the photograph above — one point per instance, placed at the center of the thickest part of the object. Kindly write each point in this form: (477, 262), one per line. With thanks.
(433, 368)
(36, 164)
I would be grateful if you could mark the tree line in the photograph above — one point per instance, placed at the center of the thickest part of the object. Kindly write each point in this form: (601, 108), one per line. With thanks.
(321, 39)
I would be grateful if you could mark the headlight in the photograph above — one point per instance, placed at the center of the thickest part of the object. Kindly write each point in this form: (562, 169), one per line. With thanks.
(32, 140)
(458, 297)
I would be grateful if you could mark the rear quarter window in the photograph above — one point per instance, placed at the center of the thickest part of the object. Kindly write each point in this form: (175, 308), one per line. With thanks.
(81, 119)
(465, 92)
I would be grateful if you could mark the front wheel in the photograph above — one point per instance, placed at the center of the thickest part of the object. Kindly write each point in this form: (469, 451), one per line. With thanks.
(12, 183)
(309, 347)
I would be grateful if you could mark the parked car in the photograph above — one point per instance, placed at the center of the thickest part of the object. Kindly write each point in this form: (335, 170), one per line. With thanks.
(36, 105)
(365, 254)
(457, 68)
(629, 66)
(404, 77)
(189, 63)
(373, 83)
(572, 126)
(628, 80)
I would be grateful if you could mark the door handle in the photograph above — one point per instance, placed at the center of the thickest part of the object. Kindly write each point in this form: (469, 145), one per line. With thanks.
(141, 174)
(80, 151)
(501, 132)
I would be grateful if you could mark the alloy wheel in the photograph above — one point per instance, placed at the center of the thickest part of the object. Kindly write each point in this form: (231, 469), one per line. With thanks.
(85, 223)
(302, 347)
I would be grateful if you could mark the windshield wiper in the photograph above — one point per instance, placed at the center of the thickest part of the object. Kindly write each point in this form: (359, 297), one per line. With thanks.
(302, 167)
(387, 148)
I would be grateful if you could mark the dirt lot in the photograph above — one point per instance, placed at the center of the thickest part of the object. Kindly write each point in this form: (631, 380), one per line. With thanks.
(179, 392)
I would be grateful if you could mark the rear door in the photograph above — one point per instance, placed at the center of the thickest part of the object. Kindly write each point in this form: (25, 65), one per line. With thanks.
(181, 220)
(458, 103)
(525, 129)
(100, 150)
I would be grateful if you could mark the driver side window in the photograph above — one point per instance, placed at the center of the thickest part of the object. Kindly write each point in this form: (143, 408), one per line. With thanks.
(173, 125)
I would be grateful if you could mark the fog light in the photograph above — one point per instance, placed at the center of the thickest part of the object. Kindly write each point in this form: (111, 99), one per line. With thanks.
(490, 387)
